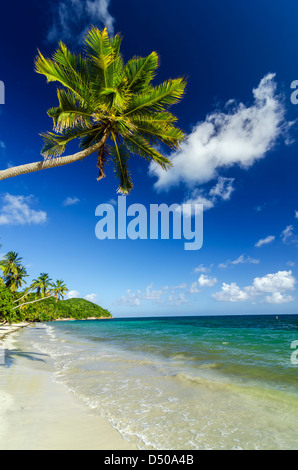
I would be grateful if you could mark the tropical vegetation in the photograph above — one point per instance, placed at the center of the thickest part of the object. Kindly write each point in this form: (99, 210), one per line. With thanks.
(42, 300)
(113, 108)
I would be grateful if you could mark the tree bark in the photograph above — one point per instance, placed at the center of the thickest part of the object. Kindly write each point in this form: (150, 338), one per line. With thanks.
(52, 162)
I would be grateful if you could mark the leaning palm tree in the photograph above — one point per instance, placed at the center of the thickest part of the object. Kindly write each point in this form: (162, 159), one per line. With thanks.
(112, 107)
(59, 289)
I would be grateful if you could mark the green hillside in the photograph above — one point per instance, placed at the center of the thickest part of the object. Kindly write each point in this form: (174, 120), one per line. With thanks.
(78, 309)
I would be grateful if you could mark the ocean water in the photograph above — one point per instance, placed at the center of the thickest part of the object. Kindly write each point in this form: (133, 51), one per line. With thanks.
(224, 382)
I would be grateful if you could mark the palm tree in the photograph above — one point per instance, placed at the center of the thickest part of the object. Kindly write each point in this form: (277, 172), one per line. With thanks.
(112, 107)
(59, 289)
(13, 282)
(10, 263)
(42, 285)
(13, 272)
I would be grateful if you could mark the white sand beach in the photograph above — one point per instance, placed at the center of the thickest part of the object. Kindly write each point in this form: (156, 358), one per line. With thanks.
(37, 413)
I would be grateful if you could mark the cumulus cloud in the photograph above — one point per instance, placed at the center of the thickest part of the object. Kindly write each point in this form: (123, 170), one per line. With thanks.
(275, 284)
(278, 298)
(238, 135)
(91, 297)
(202, 282)
(72, 294)
(265, 241)
(73, 18)
(206, 281)
(16, 210)
(231, 293)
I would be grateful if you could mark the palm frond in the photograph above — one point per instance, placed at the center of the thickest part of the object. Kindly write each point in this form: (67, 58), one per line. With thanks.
(70, 112)
(163, 117)
(140, 146)
(158, 99)
(100, 53)
(91, 138)
(159, 131)
(120, 159)
(140, 71)
(68, 69)
(54, 144)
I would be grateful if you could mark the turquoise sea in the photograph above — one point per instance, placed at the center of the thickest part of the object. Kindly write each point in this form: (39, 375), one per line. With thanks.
(216, 382)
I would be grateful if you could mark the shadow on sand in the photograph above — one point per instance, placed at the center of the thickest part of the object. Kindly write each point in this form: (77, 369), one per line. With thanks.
(9, 356)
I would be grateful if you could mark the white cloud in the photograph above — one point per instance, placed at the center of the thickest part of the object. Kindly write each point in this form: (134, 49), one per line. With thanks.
(239, 135)
(73, 18)
(16, 210)
(296, 214)
(183, 285)
(243, 260)
(274, 284)
(288, 235)
(202, 269)
(221, 191)
(265, 241)
(91, 297)
(277, 282)
(240, 260)
(278, 298)
(205, 281)
(194, 288)
(178, 299)
(72, 294)
(165, 294)
(131, 299)
(71, 201)
(231, 293)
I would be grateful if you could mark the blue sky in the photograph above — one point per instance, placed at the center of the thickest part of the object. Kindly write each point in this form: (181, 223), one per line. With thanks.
(240, 159)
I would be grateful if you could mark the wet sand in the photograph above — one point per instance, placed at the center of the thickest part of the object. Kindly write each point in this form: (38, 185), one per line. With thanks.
(37, 413)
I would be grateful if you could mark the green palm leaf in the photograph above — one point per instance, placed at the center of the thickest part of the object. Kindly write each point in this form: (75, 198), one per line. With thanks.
(139, 146)
(158, 99)
(140, 71)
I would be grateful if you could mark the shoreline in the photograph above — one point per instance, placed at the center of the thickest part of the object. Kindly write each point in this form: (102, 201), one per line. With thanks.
(6, 329)
(37, 413)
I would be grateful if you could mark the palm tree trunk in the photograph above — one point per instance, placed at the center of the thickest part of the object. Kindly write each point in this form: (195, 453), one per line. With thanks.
(32, 302)
(53, 162)
(21, 297)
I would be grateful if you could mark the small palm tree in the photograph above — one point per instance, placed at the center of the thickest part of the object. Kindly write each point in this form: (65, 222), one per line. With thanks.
(59, 289)
(112, 107)
(42, 285)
